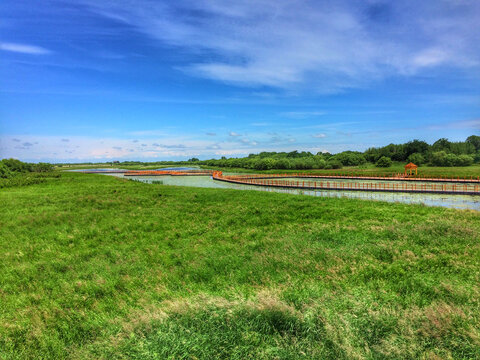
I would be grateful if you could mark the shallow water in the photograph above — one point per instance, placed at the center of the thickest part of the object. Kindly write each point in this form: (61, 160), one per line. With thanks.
(450, 201)
(115, 169)
(97, 169)
(178, 168)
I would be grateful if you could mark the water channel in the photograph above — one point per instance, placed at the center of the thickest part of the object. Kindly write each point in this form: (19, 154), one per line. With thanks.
(451, 201)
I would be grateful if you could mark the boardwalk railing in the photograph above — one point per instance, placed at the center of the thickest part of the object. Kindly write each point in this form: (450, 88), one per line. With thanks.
(168, 172)
(385, 177)
(274, 181)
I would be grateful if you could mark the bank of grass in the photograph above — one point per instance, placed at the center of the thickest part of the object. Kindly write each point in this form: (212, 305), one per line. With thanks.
(30, 178)
(100, 267)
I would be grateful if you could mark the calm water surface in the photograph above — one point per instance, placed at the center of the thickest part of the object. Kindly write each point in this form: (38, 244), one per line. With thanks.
(451, 201)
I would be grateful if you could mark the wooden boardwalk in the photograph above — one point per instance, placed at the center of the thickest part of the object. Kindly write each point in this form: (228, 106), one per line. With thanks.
(169, 172)
(432, 187)
(392, 177)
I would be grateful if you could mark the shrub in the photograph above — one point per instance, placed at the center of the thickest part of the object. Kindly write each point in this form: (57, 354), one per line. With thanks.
(438, 158)
(320, 163)
(265, 164)
(450, 160)
(384, 161)
(334, 164)
(5, 171)
(16, 165)
(464, 160)
(283, 163)
(350, 158)
(42, 167)
(477, 157)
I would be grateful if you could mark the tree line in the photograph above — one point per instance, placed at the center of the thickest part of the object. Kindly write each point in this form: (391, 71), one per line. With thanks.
(441, 153)
(13, 167)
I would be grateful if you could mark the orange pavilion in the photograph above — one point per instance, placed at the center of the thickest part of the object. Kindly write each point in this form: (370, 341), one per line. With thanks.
(409, 168)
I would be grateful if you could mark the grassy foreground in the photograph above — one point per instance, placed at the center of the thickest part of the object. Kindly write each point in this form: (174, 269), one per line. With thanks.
(98, 267)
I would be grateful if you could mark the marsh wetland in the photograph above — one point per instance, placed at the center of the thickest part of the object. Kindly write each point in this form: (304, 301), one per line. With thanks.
(452, 201)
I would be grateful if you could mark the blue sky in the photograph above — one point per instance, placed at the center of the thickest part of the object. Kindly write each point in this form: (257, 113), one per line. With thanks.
(86, 80)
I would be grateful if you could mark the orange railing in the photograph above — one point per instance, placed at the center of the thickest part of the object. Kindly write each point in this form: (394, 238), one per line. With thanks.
(386, 177)
(167, 172)
(273, 181)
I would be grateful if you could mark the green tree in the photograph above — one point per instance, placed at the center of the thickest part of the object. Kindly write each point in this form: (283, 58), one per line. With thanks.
(4, 171)
(416, 158)
(416, 146)
(438, 158)
(333, 164)
(350, 158)
(384, 161)
(319, 162)
(42, 167)
(441, 144)
(464, 160)
(283, 163)
(476, 158)
(462, 147)
(475, 141)
(450, 160)
(16, 165)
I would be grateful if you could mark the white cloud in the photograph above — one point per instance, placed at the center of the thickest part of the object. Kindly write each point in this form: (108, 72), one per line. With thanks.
(234, 134)
(319, 136)
(465, 124)
(23, 48)
(323, 46)
(302, 114)
(430, 57)
(146, 133)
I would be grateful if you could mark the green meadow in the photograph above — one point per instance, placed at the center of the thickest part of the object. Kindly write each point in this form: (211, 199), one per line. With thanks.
(98, 267)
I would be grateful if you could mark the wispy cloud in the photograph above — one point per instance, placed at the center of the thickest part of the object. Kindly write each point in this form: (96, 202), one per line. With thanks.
(302, 114)
(319, 136)
(324, 46)
(213, 147)
(473, 124)
(146, 133)
(260, 124)
(233, 134)
(24, 48)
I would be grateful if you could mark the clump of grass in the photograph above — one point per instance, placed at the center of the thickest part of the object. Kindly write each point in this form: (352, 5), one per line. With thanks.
(25, 179)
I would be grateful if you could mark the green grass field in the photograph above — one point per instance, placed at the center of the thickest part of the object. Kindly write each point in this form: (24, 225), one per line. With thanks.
(94, 266)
